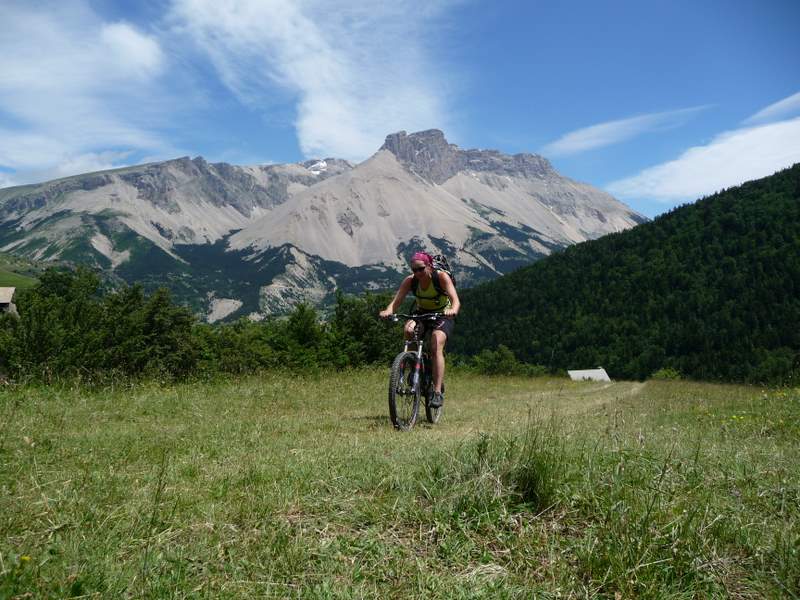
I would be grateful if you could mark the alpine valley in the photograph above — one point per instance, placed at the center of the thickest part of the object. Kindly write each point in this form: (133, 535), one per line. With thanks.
(235, 241)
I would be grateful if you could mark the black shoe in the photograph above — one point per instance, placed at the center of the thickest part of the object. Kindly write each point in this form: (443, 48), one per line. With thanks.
(437, 400)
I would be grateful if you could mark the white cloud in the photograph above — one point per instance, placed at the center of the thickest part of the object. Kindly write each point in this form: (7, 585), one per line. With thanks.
(730, 159)
(614, 132)
(6, 180)
(356, 70)
(131, 51)
(70, 164)
(72, 88)
(78, 91)
(779, 110)
(90, 162)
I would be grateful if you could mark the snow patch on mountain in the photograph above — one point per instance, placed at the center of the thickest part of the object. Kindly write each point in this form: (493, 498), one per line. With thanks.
(318, 167)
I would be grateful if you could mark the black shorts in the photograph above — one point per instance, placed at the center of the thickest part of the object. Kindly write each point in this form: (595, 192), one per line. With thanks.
(440, 324)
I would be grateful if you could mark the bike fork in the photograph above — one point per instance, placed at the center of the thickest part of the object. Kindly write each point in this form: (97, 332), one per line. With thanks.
(418, 366)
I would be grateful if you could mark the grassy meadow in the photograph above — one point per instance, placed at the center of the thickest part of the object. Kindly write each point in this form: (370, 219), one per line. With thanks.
(297, 486)
(10, 279)
(16, 272)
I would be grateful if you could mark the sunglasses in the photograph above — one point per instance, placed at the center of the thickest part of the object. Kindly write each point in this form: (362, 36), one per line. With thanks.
(417, 269)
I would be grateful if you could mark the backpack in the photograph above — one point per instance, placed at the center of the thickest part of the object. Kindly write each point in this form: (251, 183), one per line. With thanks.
(439, 264)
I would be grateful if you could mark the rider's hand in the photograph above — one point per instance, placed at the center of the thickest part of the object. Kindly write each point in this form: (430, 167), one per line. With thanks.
(385, 314)
(449, 313)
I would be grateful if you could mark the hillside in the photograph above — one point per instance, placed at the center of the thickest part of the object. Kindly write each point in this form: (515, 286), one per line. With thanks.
(711, 289)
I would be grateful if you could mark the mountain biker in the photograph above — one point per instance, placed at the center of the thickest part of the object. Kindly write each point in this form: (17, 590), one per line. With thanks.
(430, 298)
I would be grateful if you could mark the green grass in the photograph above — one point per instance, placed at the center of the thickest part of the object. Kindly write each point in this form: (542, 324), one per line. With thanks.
(287, 486)
(10, 279)
(16, 272)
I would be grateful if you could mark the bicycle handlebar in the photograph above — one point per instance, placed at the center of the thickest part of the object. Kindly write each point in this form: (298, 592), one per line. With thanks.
(422, 317)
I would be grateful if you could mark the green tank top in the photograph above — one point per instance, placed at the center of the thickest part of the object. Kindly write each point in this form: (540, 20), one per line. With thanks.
(431, 299)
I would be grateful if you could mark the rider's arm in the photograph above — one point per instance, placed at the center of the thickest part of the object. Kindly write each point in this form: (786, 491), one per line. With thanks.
(401, 294)
(448, 288)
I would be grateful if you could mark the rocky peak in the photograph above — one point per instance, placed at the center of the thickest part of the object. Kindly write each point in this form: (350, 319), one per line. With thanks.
(184, 164)
(431, 144)
(428, 154)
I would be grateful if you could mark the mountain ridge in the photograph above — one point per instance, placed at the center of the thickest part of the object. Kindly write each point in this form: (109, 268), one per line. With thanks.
(292, 230)
(429, 154)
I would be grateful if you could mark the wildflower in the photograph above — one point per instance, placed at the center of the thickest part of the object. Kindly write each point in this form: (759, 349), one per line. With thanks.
(24, 558)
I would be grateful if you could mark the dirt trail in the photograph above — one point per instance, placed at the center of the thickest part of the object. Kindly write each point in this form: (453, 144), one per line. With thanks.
(582, 397)
(518, 406)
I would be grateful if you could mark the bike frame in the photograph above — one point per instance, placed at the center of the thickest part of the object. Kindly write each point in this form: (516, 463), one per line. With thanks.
(417, 341)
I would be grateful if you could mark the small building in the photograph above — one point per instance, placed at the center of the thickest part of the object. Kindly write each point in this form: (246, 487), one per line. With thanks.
(598, 374)
(7, 300)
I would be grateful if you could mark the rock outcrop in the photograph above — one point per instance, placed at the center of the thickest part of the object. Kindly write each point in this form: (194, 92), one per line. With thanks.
(428, 154)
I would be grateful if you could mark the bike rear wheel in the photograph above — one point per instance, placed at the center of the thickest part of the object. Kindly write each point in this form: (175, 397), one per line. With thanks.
(403, 396)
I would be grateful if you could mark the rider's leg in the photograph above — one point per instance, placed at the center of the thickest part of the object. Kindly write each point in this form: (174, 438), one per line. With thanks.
(408, 329)
(438, 341)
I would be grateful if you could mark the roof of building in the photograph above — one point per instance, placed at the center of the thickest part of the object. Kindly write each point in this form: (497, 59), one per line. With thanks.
(7, 295)
(598, 374)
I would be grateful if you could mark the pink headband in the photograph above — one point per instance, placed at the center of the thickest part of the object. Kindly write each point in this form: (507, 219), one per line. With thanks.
(424, 257)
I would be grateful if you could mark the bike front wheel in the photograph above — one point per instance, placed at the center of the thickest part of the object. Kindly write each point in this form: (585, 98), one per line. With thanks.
(403, 394)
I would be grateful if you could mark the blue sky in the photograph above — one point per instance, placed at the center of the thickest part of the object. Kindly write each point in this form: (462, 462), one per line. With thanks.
(658, 102)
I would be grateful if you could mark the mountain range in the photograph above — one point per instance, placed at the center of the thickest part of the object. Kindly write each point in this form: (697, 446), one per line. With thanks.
(237, 241)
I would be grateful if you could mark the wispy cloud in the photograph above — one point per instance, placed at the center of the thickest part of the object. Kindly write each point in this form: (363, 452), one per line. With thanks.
(6, 180)
(730, 159)
(355, 70)
(76, 93)
(614, 132)
(777, 111)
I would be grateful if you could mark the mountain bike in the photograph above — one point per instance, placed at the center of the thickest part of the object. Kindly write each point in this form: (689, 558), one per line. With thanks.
(411, 376)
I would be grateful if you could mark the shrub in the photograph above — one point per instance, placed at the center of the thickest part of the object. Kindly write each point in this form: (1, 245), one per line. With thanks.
(666, 374)
(496, 362)
(68, 326)
(358, 336)
(501, 362)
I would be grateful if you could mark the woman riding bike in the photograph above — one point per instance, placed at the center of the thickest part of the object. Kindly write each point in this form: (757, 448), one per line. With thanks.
(431, 298)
